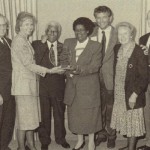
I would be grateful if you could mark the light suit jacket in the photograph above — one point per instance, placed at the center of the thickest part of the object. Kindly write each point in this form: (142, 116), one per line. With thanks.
(24, 73)
(107, 68)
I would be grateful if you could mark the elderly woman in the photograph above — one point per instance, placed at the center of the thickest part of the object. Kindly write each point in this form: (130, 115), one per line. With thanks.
(25, 81)
(131, 77)
(82, 93)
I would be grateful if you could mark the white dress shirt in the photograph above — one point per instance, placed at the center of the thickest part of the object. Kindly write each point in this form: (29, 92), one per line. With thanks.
(107, 34)
(55, 50)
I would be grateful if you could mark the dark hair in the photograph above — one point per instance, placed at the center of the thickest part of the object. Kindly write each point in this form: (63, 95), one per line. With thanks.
(103, 9)
(22, 16)
(86, 22)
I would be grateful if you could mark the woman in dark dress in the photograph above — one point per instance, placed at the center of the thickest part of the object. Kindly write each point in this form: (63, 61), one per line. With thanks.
(131, 75)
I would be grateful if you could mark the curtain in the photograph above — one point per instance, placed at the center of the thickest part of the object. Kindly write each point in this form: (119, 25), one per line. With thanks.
(11, 8)
(145, 7)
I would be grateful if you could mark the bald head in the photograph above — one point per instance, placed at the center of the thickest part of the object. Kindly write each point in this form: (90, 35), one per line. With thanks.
(148, 18)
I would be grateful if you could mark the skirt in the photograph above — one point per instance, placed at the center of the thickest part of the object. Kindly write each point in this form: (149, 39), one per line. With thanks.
(84, 120)
(27, 112)
(129, 123)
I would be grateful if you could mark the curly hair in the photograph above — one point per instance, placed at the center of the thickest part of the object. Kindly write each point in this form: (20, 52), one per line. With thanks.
(86, 22)
(22, 16)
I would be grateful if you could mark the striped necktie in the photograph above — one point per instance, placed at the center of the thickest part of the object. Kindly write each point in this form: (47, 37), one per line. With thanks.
(52, 55)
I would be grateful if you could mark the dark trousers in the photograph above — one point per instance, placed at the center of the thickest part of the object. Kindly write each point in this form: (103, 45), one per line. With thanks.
(107, 100)
(7, 121)
(58, 113)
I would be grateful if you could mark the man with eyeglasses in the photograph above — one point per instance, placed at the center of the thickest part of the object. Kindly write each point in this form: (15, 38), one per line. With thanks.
(7, 102)
(52, 86)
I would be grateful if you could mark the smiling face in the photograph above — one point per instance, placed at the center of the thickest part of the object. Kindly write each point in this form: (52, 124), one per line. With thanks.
(27, 27)
(124, 35)
(103, 20)
(52, 34)
(3, 27)
(81, 33)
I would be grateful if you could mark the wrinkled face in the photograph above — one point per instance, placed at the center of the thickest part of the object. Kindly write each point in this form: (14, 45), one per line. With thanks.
(81, 33)
(27, 27)
(52, 34)
(3, 27)
(103, 20)
(148, 19)
(124, 35)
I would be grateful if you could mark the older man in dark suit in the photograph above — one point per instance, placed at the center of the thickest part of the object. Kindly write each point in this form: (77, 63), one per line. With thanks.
(145, 41)
(51, 87)
(7, 102)
(106, 35)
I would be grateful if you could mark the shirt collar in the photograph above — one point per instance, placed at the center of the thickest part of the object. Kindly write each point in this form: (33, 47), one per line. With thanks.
(107, 30)
(54, 44)
(83, 43)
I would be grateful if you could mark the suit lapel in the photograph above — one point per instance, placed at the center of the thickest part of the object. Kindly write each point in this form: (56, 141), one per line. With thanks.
(111, 44)
(84, 51)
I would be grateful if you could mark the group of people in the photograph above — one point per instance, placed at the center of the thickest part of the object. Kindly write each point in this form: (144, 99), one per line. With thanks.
(101, 75)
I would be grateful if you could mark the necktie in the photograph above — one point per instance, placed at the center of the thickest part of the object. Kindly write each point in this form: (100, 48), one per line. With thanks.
(52, 55)
(103, 44)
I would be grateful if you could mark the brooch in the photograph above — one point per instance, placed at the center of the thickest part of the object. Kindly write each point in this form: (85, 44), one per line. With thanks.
(130, 65)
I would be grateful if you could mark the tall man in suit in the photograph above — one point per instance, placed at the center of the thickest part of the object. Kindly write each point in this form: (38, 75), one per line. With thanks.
(145, 41)
(52, 86)
(7, 102)
(107, 36)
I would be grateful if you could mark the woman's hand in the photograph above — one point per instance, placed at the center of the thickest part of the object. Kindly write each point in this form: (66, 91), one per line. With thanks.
(145, 48)
(1, 100)
(132, 100)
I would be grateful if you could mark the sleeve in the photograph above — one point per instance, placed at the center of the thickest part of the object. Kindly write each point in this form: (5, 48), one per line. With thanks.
(22, 51)
(95, 64)
(142, 73)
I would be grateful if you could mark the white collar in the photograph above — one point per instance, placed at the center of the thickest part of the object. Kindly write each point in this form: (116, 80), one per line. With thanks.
(83, 43)
(54, 44)
(107, 30)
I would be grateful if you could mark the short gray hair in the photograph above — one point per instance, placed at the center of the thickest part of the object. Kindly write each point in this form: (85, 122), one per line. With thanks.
(53, 24)
(129, 26)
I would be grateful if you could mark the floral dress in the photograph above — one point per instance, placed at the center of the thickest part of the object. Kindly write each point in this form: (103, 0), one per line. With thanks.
(127, 122)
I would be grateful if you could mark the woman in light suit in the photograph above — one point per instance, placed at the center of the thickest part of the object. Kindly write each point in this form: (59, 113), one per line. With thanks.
(82, 93)
(25, 81)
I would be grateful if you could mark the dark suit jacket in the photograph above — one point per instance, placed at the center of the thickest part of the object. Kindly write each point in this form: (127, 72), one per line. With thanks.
(143, 40)
(52, 84)
(136, 76)
(5, 70)
(84, 89)
(108, 61)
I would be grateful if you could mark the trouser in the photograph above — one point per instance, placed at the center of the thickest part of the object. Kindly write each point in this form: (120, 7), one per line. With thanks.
(147, 116)
(45, 126)
(7, 121)
(107, 100)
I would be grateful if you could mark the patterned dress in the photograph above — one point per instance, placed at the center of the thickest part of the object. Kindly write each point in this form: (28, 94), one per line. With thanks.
(127, 122)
